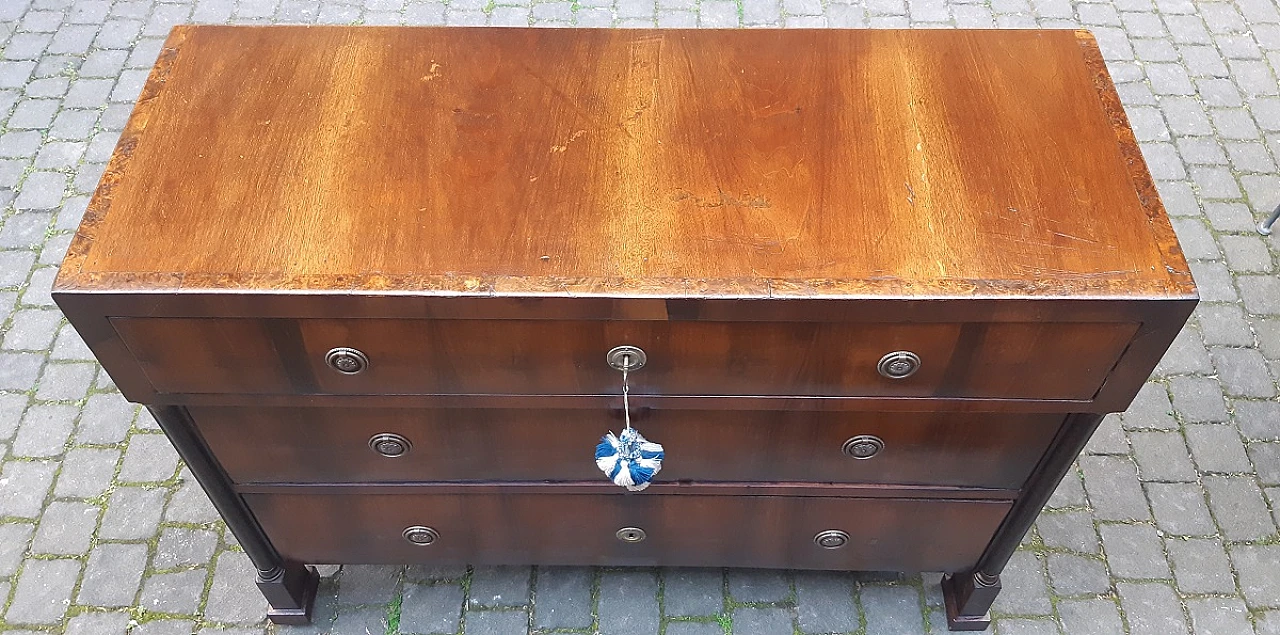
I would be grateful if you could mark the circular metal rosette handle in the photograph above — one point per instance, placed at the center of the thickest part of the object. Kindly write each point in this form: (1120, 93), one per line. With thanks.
(420, 535)
(631, 534)
(863, 446)
(347, 361)
(626, 358)
(831, 539)
(899, 365)
(390, 444)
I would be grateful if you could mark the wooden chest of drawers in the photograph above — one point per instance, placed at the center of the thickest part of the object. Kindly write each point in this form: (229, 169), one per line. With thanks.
(887, 283)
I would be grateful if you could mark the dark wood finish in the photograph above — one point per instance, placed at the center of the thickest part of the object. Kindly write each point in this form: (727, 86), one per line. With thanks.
(485, 212)
(974, 590)
(325, 445)
(757, 531)
(289, 586)
(1003, 360)
(660, 488)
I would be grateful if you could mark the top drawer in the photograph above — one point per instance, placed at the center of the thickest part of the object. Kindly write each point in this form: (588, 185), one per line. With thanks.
(1064, 360)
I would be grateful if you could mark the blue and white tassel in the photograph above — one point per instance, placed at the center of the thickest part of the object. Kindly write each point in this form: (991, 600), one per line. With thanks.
(628, 459)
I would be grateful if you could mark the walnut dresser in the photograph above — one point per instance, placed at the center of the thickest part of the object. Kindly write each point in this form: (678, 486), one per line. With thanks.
(885, 284)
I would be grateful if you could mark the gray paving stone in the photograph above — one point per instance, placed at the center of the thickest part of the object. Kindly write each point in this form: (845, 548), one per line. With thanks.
(1069, 493)
(1224, 325)
(1214, 282)
(1150, 410)
(1109, 438)
(232, 596)
(368, 621)
(1261, 294)
(1268, 623)
(176, 593)
(32, 329)
(190, 505)
(11, 408)
(168, 627)
(1266, 460)
(564, 597)
(1134, 551)
(1200, 565)
(758, 585)
(1243, 372)
(1219, 616)
(14, 538)
(824, 602)
(892, 610)
(1236, 501)
(1268, 334)
(98, 624)
(113, 574)
(430, 609)
(184, 547)
(86, 472)
(628, 602)
(686, 592)
(132, 513)
(23, 487)
(496, 622)
(499, 586)
(368, 584)
(1114, 489)
(1180, 509)
(150, 457)
(1217, 448)
(1090, 617)
(43, 591)
(1077, 575)
(1161, 456)
(66, 382)
(694, 628)
(18, 371)
(1151, 609)
(1186, 355)
(1068, 530)
(106, 419)
(44, 430)
(1198, 399)
(66, 528)
(764, 621)
(1256, 567)
(14, 266)
(1022, 626)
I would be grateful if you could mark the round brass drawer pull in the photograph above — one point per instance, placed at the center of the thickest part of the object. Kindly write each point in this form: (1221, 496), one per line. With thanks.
(631, 534)
(899, 364)
(831, 539)
(626, 358)
(390, 445)
(863, 446)
(420, 535)
(347, 361)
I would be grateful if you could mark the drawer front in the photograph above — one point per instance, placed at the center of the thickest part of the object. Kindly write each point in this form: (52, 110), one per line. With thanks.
(530, 357)
(583, 529)
(337, 445)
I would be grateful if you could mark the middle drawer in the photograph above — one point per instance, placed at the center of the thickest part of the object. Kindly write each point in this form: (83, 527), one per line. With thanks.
(380, 445)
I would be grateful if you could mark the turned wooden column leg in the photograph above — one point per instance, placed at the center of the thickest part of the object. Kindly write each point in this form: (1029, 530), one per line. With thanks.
(969, 594)
(290, 587)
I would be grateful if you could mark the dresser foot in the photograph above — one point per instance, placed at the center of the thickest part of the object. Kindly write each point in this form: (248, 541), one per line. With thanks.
(290, 589)
(968, 597)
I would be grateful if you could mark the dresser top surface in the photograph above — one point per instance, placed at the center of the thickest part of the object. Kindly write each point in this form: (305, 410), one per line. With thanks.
(755, 163)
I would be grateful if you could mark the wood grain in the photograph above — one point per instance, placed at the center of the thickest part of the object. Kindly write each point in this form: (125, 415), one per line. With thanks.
(687, 530)
(547, 161)
(322, 445)
(1042, 360)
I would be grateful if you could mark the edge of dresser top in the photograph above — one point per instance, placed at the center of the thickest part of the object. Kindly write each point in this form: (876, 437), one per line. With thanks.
(109, 251)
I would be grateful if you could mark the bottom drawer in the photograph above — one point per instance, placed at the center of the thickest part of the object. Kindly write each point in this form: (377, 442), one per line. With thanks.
(881, 534)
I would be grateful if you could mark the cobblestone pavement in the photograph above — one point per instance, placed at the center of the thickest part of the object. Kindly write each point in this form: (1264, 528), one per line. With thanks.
(1167, 526)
